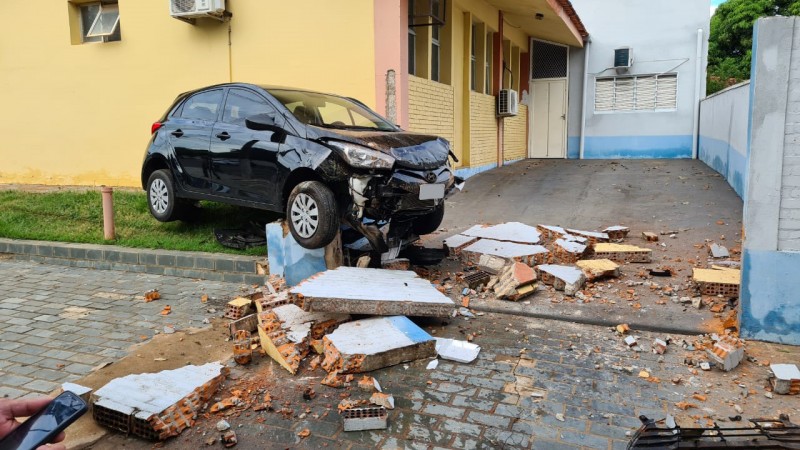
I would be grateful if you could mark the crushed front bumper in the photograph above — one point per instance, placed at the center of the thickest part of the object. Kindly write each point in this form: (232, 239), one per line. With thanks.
(410, 193)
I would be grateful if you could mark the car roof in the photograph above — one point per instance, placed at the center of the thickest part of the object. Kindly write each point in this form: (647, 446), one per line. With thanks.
(266, 87)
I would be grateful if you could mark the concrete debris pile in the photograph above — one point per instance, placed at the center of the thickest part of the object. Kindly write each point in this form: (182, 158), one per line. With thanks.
(157, 406)
(311, 322)
(785, 379)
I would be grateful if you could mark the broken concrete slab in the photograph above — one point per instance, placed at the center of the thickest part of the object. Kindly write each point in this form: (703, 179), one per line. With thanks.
(617, 233)
(506, 232)
(551, 232)
(718, 251)
(622, 253)
(454, 244)
(568, 252)
(81, 391)
(492, 264)
(286, 332)
(595, 269)
(727, 352)
(593, 236)
(649, 236)
(566, 278)
(718, 281)
(157, 405)
(785, 379)
(295, 263)
(510, 251)
(357, 290)
(455, 350)
(370, 344)
(515, 281)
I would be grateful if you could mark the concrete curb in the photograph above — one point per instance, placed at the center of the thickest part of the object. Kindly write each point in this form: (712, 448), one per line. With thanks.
(199, 265)
(636, 326)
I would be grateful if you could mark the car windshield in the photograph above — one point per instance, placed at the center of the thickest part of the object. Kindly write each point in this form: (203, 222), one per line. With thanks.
(330, 111)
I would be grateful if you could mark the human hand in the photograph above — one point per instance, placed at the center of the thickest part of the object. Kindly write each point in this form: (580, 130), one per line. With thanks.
(11, 409)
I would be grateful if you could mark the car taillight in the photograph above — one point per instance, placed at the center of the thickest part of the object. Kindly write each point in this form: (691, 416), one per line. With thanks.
(155, 127)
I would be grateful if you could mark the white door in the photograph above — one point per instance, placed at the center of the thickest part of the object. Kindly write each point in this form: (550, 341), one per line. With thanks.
(548, 135)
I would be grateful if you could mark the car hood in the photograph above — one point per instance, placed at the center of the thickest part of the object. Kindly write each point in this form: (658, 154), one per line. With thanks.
(410, 150)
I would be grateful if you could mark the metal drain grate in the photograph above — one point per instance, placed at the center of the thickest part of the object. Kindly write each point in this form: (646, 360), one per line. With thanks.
(359, 419)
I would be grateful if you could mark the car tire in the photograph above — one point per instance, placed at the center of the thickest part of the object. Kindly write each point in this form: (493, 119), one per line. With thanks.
(161, 200)
(312, 214)
(429, 222)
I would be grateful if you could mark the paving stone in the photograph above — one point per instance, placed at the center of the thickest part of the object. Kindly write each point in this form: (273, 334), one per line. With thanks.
(15, 380)
(41, 386)
(444, 410)
(506, 439)
(466, 402)
(583, 439)
(10, 392)
(458, 427)
(491, 420)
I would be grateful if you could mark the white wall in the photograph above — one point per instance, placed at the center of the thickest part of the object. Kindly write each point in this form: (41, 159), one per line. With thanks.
(723, 134)
(663, 35)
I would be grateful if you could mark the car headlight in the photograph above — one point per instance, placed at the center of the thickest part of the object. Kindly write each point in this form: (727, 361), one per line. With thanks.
(363, 157)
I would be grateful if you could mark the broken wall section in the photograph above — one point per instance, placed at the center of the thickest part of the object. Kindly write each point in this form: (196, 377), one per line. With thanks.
(771, 255)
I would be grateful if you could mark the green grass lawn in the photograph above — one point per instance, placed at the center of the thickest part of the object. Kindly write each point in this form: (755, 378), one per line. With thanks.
(76, 216)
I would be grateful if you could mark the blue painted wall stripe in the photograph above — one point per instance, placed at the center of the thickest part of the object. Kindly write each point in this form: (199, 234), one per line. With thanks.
(466, 172)
(770, 305)
(573, 147)
(725, 159)
(637, 147)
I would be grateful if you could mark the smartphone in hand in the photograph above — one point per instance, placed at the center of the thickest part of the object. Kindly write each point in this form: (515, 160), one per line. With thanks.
(44, 426)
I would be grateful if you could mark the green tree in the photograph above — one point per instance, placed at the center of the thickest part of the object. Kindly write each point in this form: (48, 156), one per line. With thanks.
(730, 42)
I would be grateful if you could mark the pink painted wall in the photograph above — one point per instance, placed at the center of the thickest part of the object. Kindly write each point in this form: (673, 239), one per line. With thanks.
(391, 52)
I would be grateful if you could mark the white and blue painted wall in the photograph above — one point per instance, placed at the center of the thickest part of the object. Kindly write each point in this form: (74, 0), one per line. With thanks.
(663, 36)
(723, 143)
(770, 304)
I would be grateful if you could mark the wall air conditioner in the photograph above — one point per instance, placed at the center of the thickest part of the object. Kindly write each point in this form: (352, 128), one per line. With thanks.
(623, 58)
(195, 9)
(507, 103)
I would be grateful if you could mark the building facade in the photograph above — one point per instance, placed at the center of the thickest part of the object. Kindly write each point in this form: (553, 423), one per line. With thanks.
(649, 110)
(84, 90)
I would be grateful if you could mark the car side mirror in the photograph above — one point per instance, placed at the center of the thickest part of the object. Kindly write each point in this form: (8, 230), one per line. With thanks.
(262, 122)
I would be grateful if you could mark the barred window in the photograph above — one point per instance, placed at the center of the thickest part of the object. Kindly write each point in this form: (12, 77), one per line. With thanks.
(636, 93)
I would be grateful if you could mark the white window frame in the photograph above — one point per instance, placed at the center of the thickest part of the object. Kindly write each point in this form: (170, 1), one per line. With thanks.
(473, 63)
(87, 35)
(635, 77)
(487, 64)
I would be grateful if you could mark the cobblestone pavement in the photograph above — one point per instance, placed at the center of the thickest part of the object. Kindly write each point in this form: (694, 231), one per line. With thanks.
(536, 384)
(57, 323)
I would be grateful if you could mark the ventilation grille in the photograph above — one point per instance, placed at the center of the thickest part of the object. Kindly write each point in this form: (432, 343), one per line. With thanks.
(636, 93)
(548, 60)
(183, 6)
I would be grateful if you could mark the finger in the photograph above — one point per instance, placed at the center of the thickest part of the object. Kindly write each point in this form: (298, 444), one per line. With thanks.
(61, 436)
(28, 407)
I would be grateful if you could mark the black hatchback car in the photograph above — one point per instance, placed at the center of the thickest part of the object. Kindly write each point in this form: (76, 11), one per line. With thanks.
(317, 158)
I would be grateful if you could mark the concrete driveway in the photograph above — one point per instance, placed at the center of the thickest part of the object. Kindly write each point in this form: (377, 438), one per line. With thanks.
(646, 195)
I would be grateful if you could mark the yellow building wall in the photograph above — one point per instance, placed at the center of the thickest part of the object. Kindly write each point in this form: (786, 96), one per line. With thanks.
(514, 136)
(311, 44)
(430, 109)
(483, 130)
(81, 114)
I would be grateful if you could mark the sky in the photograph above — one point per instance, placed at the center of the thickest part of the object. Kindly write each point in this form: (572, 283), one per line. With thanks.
(714, 4)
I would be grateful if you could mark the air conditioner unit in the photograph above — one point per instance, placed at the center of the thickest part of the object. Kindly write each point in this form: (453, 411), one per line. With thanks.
(507, 103)
(623, 58)
(194, 9)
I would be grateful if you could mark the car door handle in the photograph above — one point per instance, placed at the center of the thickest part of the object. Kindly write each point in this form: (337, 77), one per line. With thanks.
(224, 136)
(177, 133)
